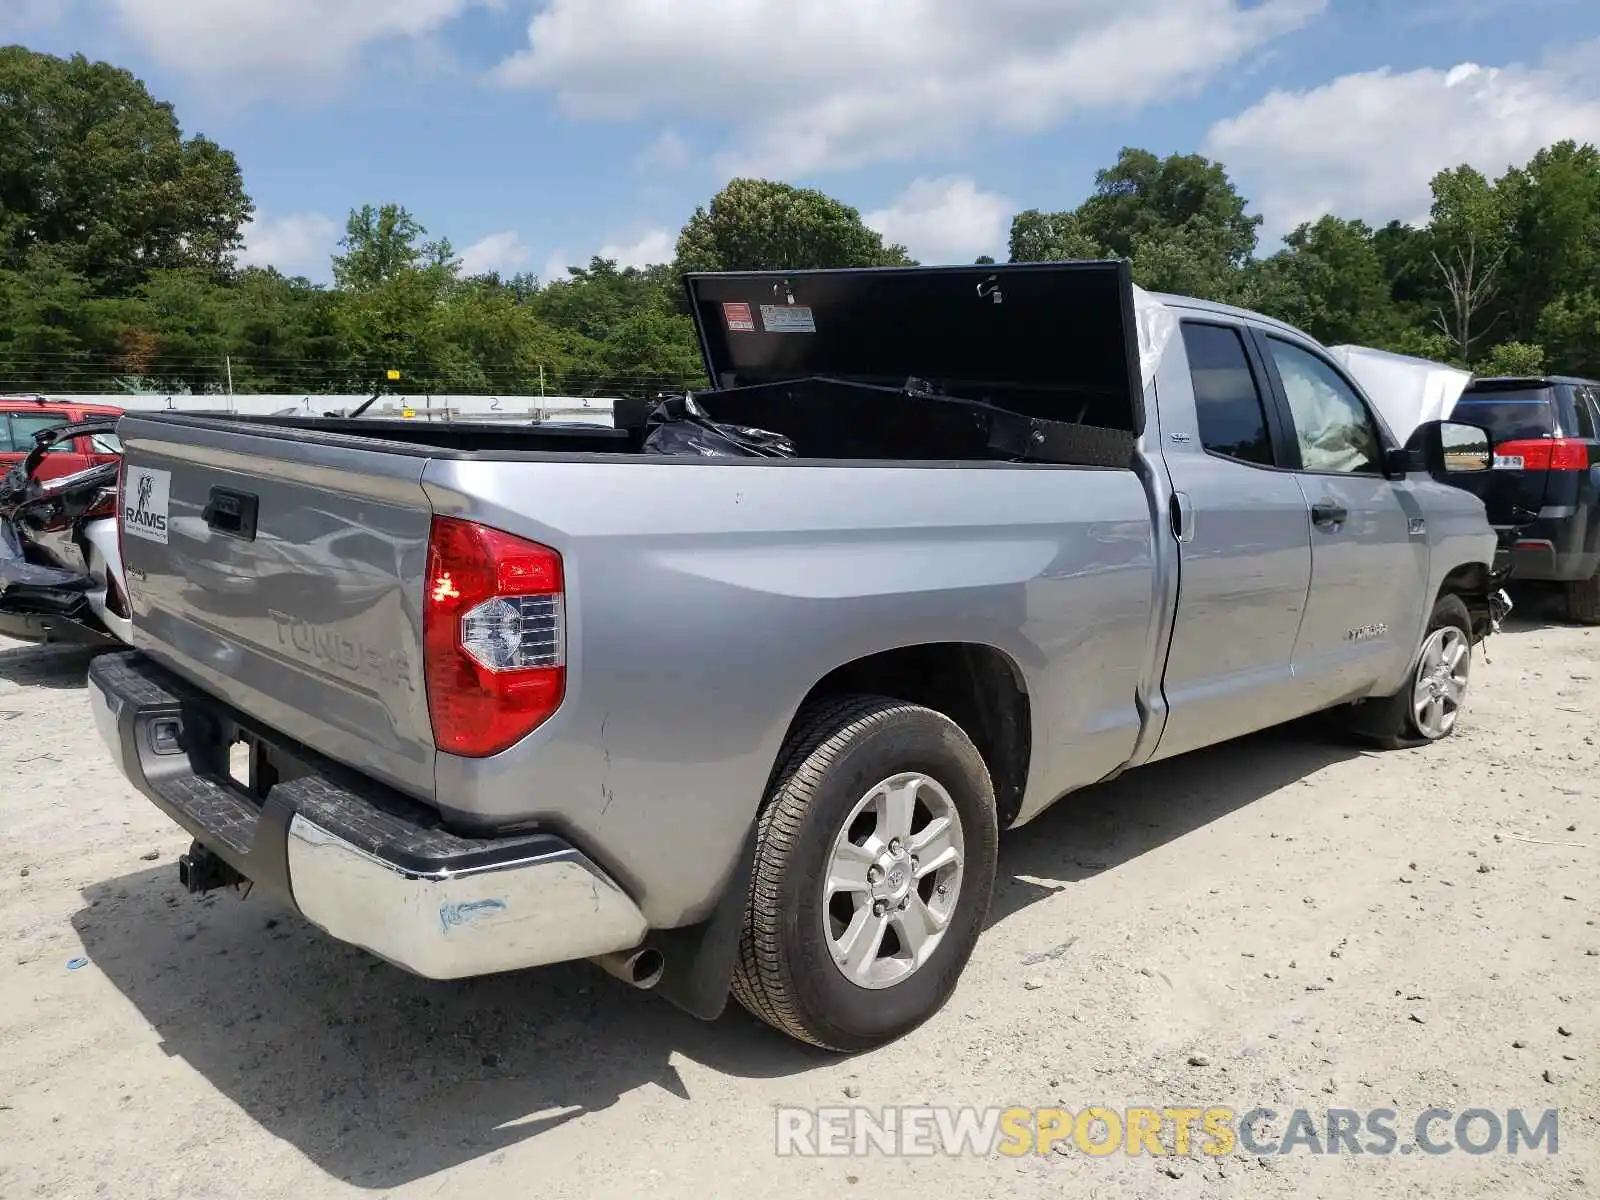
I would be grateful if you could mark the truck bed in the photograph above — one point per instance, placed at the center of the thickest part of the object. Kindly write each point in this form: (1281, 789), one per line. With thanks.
(718, 592)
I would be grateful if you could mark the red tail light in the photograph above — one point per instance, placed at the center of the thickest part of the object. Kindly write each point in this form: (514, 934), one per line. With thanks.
(122, 547)
(494, 637)
(1547, 454)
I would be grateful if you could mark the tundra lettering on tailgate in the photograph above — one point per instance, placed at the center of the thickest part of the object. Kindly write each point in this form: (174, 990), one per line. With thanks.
(333, 649)
(146, 498)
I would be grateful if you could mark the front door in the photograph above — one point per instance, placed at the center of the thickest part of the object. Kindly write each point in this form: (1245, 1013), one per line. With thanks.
(1369, 565)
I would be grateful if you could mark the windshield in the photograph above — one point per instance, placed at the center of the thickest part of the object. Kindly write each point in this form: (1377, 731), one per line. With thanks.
(1510, 416)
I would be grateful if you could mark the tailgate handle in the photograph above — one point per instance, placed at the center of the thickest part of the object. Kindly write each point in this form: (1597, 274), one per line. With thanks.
(232, 513)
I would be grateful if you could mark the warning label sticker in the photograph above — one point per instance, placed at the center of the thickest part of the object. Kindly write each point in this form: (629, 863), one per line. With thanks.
(738, 317)
(787, 318)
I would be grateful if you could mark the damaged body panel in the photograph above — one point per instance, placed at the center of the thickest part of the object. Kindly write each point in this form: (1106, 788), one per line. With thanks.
(60, 565)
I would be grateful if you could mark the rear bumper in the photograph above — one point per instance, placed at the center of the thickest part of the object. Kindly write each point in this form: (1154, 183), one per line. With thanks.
(1552, 550)
(1540, 560)
(366, 866)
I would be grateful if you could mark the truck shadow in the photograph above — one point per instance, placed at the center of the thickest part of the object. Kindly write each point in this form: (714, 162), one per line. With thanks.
(1102, 827)
(381, 1078)
(63, 667)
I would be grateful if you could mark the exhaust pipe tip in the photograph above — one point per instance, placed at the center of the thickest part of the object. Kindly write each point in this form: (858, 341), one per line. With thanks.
(640, 968)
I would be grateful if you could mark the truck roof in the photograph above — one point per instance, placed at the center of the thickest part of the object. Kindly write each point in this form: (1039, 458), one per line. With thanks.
(1229, 310)
(1506, 382)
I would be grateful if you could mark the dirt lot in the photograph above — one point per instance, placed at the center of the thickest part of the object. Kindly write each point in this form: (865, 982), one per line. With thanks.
(1287, 922)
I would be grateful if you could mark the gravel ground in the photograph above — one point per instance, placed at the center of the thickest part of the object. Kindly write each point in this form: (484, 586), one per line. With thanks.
(1286, 921)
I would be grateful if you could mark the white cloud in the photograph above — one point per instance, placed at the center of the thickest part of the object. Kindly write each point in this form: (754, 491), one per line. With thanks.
(300, 244)
(503, 252)
(945, 220)
(276, 42)
(832, 84)
(648, 249)
(555, 267)
(651, 247)
(669, 152)
(1367, 145)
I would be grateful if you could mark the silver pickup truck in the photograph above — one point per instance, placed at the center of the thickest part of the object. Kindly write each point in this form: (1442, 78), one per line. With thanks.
(479, 698)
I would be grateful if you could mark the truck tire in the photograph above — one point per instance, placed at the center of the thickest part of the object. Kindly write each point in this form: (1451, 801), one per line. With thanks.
(1583, 600)
(1428, 705)
(875, 864)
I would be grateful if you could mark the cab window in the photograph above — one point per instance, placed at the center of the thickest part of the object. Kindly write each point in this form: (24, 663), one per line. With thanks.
(1233, 421)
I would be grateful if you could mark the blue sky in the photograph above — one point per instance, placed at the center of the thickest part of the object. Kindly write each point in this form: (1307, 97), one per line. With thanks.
(534, 133)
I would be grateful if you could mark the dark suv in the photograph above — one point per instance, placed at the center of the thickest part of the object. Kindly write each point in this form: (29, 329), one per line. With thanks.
(1546, 479)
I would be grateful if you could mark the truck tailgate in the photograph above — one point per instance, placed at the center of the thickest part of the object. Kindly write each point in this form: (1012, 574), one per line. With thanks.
(282, 572)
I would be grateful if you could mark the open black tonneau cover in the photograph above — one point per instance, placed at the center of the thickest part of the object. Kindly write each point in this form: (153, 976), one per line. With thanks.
(1060, 334)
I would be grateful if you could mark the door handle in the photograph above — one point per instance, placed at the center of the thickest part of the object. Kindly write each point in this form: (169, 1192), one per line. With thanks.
(1182, 517)
(1326, 512)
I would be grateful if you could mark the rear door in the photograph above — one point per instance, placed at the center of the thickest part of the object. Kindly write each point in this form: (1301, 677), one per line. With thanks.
(1369, 570)
(1243, 542)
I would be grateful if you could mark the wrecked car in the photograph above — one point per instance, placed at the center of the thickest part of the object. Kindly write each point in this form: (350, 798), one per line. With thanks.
(736, 696)
(60, 562)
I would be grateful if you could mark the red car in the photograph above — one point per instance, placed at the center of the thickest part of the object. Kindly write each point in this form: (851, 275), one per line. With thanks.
(23, 416)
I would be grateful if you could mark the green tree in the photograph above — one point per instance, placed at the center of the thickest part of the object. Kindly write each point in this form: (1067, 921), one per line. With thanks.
(1050, 237)
(381, 243)
(282, 333)
(52, 333)
(1147, 198)
(1470, 239)
(1513, 358)
(1179, 220)
(1193, 259)
(1330, 281)
(1552, 215)
(622, 329)
(97, 177)
(760, 225)
(1405, 253)
(1570, 330)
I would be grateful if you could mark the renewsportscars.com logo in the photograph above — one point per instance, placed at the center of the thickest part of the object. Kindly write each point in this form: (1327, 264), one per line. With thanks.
(1098, 1131)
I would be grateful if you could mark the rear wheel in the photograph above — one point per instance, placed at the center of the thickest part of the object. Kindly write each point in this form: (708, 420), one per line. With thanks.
(875, 865)
(1428, 705)
(1583, 600)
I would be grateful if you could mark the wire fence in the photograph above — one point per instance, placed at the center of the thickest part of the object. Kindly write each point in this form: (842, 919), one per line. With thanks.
(78, 373)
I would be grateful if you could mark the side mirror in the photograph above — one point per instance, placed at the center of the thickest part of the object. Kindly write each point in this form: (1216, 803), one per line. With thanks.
(1448, 448)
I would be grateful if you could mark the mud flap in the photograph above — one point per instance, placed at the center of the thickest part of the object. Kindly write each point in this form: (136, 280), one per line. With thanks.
(699, 959)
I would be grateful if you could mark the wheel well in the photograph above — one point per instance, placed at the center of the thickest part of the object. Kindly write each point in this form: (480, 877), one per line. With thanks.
(1470, 583)
(976, 686)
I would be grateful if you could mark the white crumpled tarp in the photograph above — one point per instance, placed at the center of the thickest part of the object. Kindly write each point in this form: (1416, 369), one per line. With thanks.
(1156, 324)
(1406, 391)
